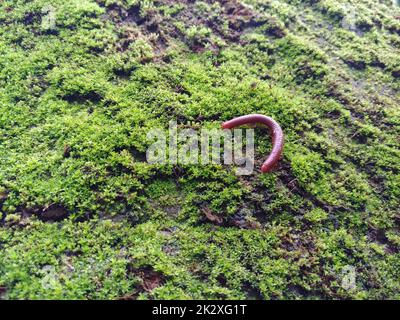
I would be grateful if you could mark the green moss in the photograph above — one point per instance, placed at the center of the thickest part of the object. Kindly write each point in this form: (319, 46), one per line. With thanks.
(78, 98)
(316, 215)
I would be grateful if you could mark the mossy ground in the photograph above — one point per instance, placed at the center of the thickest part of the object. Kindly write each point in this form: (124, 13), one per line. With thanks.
(78, 96)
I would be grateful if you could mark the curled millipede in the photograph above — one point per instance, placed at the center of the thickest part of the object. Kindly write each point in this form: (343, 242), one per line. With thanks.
(276, 132)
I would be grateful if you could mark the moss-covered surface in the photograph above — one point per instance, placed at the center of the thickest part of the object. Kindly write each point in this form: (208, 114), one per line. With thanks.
(84, 216)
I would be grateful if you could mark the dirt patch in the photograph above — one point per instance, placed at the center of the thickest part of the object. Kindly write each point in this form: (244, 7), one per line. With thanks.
(232, 20)
(356, 64)
(379, 236)
(81, 98)
(149, 279)
(3, 196)
(211, 216)
(396, 73)
(53, 213)
(67, 151)
(243, 220)
(32, 18)
(132, 24)
(252, 292)
(3, 291)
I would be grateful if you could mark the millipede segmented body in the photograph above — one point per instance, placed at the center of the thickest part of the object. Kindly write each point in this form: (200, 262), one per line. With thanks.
(276, 132)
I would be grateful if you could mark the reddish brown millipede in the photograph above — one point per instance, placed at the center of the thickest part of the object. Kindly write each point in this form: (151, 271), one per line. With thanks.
(276, 132)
